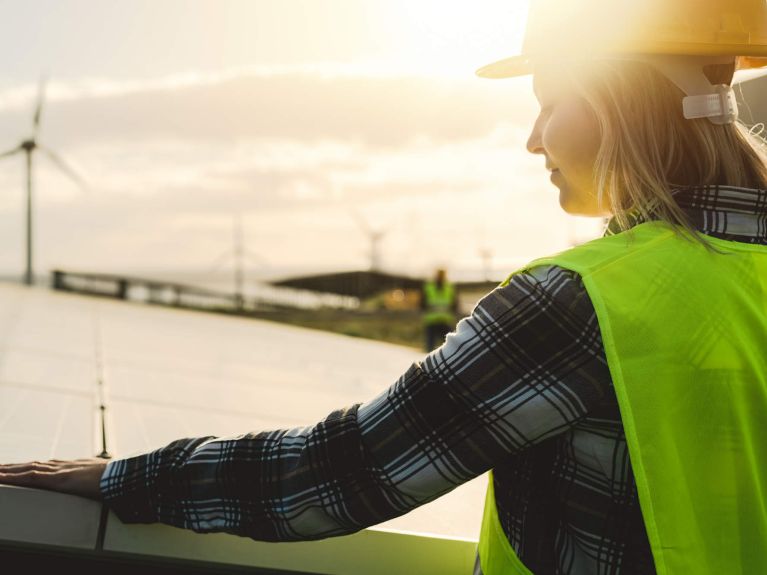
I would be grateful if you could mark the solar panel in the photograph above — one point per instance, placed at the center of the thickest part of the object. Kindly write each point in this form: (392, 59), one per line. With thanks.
(169, 373)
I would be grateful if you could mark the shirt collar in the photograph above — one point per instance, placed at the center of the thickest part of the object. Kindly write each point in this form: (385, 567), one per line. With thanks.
(725, 212)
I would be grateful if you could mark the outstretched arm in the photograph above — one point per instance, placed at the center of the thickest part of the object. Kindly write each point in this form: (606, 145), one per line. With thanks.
(525, 366)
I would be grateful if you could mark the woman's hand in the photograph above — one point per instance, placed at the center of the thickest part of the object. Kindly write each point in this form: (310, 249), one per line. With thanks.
(78, 477)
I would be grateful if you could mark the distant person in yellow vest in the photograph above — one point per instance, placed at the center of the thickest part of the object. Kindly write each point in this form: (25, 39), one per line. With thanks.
(616, 391)
(439, 303)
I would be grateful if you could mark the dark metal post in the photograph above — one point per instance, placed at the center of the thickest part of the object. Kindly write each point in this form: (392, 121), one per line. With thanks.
(103, 420)
(122, 289)
(28, 274)
(58, 280)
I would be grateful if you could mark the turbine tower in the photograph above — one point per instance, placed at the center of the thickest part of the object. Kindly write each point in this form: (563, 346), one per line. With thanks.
(375, 236)
(28, 147)
(486, 254)
(238, 253)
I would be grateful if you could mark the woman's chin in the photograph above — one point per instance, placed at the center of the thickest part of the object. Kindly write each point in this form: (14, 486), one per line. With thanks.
(567, 203)
(572, 206)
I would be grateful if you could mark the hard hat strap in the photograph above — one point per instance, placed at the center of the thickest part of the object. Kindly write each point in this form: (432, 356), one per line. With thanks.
(703, 100)
(719, 108)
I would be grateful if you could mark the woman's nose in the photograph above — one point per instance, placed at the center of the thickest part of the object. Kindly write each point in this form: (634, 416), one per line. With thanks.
(534, 145)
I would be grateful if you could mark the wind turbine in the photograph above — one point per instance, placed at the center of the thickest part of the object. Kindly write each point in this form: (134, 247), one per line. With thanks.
(375, 237)
(238, 253)
(484, 250)
(486, 254)
(28, 147)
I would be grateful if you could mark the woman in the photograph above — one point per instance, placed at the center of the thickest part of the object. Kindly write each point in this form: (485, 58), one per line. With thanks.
(618, 391)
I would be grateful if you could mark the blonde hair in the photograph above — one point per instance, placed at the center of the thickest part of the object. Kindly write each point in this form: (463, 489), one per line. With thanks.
(648, 148)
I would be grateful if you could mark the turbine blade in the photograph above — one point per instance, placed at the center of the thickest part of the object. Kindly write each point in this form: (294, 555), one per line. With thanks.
(15, 150)
(64, 167)
(39, 106)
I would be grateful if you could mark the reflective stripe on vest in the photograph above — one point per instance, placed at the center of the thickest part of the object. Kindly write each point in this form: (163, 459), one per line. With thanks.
(439, 303)
(685, 335)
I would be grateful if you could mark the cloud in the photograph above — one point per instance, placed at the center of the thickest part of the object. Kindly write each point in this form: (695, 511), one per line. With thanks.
(268, 103)
(439, 162)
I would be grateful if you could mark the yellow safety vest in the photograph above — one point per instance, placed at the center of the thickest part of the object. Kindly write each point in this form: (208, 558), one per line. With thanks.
(439, 303)
(685, 335)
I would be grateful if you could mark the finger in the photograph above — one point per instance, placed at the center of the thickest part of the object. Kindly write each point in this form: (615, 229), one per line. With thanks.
(32, 478)
(29, 466)
(14, 479)
(50, 465)
(82, 481)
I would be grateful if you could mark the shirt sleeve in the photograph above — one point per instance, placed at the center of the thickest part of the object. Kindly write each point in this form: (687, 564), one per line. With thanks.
(526, 365)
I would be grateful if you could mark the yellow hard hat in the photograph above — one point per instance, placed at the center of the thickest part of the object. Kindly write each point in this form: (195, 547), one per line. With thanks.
(678, 37)
(571, 28)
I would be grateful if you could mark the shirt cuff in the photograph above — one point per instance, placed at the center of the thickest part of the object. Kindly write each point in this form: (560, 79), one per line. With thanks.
(144, 488)
(126, 489)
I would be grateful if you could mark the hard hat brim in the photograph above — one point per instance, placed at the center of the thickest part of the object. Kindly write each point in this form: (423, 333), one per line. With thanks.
(507, 68)
(523, 65)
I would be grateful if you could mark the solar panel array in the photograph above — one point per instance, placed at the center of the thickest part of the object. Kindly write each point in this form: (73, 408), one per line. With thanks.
(165, 373)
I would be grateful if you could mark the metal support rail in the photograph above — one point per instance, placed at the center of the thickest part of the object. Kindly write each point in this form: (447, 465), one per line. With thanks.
(168, 293)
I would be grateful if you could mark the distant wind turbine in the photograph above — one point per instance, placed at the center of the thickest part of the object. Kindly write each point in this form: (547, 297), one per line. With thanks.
(485, 250)
(238, 253)
(28, 147)
(375, 236)
(486, 254)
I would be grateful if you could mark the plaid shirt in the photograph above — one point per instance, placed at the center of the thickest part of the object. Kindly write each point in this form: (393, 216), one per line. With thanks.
(521, 387)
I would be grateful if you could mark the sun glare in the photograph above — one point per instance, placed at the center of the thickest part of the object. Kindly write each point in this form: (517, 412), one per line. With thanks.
(455, 38)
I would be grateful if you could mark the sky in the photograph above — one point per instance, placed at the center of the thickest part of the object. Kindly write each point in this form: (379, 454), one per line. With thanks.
(314, 123)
